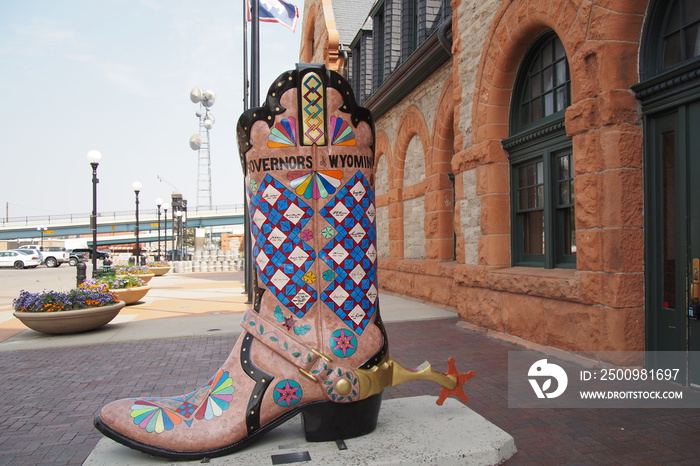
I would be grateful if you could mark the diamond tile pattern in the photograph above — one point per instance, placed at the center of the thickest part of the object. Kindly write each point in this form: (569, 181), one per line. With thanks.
(351, 253)
(281, 258)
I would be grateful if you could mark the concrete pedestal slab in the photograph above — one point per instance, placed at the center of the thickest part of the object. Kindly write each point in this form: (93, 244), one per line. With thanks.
(410, 431)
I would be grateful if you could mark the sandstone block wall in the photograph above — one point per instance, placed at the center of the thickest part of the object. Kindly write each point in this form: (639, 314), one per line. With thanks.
(443, 188)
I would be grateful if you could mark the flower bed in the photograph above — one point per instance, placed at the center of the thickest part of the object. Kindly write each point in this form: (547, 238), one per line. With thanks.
(141, 271)
(83, 297)
(118, 281)
(128, 288)
(132, 270)
(88, 307)
(159, 268)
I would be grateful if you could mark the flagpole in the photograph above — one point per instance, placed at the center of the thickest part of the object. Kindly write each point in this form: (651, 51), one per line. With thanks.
(255, 54)
(247, 289)
(254, 102)
(245, 56)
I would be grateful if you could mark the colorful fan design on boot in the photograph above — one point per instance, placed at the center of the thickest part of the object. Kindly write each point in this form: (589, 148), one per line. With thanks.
(153, 418)
(282, 134)
(219, 399)
(315, 185)
(342, 133)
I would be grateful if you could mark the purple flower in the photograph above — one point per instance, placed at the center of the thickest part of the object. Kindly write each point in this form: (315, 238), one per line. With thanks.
(86, 296)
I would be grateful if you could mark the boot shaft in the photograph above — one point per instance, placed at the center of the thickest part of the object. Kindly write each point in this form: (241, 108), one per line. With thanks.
(308, 157)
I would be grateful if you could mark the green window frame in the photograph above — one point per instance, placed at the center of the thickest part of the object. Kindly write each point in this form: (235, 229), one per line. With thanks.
(543, 220)
(681, 37)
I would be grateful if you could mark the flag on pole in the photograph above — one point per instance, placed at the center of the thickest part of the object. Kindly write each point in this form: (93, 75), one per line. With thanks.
(277, 11)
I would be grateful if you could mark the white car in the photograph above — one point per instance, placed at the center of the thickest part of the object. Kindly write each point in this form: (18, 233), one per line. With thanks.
(19, 259)
(30, 247)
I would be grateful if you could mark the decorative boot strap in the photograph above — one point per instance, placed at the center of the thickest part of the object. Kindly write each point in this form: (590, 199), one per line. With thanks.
(341, 383)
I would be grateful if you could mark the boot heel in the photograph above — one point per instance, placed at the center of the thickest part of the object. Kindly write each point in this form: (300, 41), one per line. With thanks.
(328, 421)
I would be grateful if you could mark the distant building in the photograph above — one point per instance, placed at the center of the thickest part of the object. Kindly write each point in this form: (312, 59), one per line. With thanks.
(537, 162)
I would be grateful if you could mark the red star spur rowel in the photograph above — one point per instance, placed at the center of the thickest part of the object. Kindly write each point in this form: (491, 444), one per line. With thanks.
(458, 391)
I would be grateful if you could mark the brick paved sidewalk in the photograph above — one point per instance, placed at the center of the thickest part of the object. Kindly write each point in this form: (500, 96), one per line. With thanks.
(50, 398)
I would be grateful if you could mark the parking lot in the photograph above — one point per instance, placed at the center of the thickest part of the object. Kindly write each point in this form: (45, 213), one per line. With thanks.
(62, 278)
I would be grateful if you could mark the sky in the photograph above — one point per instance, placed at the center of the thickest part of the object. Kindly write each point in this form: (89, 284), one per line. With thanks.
(115, 76)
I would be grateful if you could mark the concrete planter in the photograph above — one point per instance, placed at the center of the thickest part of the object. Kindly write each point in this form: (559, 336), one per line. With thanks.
(80, 320)
(146, 277)
(158, 271)
(131, 295)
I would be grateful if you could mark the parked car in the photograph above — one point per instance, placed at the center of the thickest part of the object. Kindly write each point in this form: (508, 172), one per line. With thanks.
(19, 259)
(77, 255)
(27, 252)
(35, 248)
(54, 256)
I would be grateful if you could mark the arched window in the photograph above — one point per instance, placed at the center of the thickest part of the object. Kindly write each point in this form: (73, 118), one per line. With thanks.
(681, 37)
(543, 232)
(672, 38)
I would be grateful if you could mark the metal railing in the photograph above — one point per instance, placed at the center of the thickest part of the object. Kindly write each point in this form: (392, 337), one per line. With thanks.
(81, 218)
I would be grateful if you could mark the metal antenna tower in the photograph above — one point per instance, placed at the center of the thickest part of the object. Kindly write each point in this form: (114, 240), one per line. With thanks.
(200, 143)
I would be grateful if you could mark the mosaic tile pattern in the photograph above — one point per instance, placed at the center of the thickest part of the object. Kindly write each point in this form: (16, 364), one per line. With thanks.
(281, 257)
(352, 254)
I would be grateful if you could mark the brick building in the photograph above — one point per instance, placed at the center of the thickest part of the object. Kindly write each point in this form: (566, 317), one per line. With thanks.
(534, 160)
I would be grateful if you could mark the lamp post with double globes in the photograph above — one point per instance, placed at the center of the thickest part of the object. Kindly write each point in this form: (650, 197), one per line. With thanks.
(159, 203)
(137, 189)
(94, 157)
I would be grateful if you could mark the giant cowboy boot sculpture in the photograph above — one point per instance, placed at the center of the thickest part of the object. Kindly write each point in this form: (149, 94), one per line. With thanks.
(314, 341)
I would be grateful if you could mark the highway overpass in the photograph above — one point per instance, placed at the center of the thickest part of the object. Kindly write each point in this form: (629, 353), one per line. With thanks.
(115, 227)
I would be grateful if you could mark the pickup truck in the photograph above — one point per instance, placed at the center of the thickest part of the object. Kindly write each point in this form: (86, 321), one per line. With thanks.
(101, 254)
(53, 256)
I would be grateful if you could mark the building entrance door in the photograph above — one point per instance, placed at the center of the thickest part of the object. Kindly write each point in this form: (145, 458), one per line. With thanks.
(672, 172)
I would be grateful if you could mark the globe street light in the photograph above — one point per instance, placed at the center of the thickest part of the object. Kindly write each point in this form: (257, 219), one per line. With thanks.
(159, 202)
(137, 189)
(94, 157)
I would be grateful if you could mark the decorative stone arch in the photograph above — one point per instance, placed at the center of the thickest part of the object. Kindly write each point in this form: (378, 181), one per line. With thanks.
(382, 149)
(412, 124)
(383, 174)
(440, 195)
(601, 46)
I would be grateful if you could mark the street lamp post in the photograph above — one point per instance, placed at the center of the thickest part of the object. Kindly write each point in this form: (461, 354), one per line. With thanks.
(41, 230)
(137, 189)
(94, 157)
(159, 202)
(165, 230)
